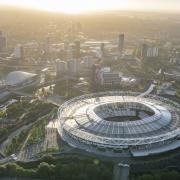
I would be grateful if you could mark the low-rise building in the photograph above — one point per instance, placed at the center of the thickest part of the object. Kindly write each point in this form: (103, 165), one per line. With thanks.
(166, 89)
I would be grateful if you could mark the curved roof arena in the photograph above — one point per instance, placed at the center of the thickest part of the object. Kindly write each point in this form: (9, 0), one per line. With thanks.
(17, 77)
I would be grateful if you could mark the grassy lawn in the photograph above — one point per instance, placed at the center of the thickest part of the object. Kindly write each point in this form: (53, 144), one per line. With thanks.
(36, 133)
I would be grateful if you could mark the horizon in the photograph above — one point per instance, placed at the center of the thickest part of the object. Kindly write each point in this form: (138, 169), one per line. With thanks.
(92, 12)
(94, 7)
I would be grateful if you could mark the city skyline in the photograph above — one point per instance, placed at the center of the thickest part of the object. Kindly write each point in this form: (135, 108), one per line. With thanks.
(81, 6)
(90, 89)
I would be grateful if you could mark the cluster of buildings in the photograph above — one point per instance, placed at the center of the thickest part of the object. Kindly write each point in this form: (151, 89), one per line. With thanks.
(89, 52)
(91, 55)
(10, 59)
(80, 56)
(149, 51)
(74, 57)
(72, 60)
(166, 89)
(103, 76)
(18, 79)
(69, 67)
(175, 56)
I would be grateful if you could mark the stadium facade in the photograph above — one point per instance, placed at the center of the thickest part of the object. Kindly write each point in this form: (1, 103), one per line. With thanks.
(120, 124)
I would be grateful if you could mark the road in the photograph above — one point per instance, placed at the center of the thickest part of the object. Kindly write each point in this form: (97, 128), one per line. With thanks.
(55, 99)
(148, 91)
(12, 135)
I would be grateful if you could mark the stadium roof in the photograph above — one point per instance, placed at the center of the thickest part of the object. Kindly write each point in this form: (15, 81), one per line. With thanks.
(84, 118)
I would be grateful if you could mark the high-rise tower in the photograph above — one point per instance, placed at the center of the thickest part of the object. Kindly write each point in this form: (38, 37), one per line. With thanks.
(77, 49)
(121, 43)
(3, 42)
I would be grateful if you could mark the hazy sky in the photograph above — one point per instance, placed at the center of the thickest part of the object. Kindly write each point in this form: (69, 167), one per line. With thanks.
(76, 6)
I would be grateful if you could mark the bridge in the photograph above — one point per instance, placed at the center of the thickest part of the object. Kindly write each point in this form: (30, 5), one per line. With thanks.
(48, 83)
(148, 91)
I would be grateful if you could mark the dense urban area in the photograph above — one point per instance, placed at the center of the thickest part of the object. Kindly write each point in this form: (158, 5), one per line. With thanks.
(53, 66)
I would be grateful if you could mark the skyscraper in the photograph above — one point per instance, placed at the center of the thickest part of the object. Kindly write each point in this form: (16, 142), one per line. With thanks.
(73, 66)
(3, 42)
(18, 53)
(61, 67)
(102, 49)
(121, 43)
(144, 49)
(47, 45)
(77, 49)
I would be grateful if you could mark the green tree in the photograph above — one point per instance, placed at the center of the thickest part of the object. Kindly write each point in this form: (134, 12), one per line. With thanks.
(173, 175)
(146, 177)
(11, 169)
(45, 171)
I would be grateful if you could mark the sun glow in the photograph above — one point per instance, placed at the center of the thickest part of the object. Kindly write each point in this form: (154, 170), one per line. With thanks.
(69, 6)
(81, 6)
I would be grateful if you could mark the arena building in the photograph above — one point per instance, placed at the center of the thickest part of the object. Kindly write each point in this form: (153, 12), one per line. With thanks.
(120, 124)
(19, 80)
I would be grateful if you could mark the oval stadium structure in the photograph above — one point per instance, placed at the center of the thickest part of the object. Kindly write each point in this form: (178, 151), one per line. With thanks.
(120, 124)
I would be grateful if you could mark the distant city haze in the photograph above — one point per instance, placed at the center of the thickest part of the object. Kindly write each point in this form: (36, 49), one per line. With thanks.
(81, 6)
